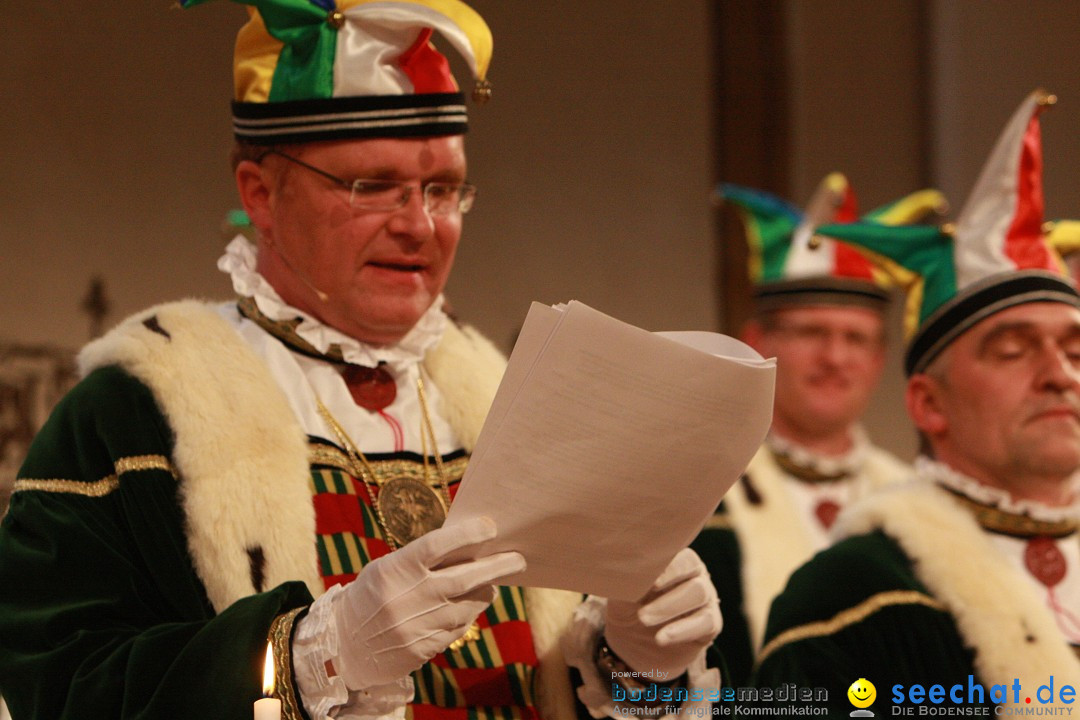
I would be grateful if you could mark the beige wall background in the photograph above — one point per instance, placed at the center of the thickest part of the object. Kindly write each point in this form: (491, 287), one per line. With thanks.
(594, 158)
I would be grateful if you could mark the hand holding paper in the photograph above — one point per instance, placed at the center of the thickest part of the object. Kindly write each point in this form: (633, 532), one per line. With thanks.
(406, 607)
(670, 626)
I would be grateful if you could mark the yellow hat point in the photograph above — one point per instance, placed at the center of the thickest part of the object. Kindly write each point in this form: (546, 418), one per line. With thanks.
(836, 182)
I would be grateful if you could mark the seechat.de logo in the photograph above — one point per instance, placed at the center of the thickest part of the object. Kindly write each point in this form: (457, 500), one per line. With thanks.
(862, 694)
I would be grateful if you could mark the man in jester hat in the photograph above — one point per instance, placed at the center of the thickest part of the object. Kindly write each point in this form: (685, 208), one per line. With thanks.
(970, 574)
(277, 469)
(821, 314)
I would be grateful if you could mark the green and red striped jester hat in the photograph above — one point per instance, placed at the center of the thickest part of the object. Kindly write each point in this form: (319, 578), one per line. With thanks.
(998, 254)
(783, 268)
(307, 70)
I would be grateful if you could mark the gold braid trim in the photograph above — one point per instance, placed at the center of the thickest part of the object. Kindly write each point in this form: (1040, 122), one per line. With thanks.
(99, 488)
(285, 331)
(719, 521)
(143, 462)
(280, 639)
(1016, 525)
(319, 454)
(806, 474)
(852, 615)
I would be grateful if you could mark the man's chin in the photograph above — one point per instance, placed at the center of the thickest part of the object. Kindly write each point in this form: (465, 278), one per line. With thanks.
(381, 322)
(1057, 455)
(381, 330)
(829, 414)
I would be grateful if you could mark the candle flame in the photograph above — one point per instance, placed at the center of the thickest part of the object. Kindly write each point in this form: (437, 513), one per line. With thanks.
(268, 672)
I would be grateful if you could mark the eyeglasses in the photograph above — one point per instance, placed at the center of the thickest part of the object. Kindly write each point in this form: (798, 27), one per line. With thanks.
(819, 337)
(440, 198)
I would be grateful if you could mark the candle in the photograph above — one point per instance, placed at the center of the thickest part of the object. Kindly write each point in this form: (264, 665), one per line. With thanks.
(268, 708)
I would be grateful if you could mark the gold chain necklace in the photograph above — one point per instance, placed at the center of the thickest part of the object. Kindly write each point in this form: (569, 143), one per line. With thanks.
(413, 508)
(406, 508)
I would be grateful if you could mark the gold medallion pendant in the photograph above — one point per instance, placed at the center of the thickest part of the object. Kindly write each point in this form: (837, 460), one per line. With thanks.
(409, 508)
(406, 507)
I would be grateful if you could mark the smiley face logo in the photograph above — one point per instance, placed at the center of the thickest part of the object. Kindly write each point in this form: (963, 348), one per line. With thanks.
(862, 693)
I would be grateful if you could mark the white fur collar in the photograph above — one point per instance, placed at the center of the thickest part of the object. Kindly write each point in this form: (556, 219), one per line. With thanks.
(772, 536)
(238, 446)
(996, 608)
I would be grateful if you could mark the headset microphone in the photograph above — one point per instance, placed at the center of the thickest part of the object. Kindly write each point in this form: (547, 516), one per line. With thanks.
(323, 297)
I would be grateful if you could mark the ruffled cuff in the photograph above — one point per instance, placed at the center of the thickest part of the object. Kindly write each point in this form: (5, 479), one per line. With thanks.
(315, 643)
(579, 648)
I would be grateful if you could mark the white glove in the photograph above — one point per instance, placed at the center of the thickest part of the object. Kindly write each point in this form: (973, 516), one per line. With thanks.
(404, 608)
(667, 628)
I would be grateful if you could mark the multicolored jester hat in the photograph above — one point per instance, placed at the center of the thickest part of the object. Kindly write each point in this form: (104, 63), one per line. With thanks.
(309, 70)
(998, 254)
(785, 270)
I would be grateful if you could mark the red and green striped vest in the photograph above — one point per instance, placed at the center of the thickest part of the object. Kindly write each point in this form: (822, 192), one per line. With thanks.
(488, 678)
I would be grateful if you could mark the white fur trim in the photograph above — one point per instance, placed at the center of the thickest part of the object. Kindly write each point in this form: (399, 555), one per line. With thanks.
(467, 369)
(995, 607)
(773, 538)
(883, 469)
(240, 453)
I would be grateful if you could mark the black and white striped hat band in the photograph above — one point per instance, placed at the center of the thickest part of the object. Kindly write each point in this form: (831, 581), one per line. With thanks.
(979, 301)
(350, 117)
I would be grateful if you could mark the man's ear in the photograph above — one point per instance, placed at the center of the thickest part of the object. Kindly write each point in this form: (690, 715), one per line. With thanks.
(254, 188)
(923, 398)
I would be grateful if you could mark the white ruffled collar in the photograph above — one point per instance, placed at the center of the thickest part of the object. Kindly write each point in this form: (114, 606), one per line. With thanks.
(239, 262)
(850, 463)
(981, 493)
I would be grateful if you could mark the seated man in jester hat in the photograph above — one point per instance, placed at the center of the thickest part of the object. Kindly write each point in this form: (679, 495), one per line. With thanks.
(821, 314)
(962, 588)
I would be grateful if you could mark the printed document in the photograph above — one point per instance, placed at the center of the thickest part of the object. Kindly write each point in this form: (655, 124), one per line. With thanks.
(608, 447)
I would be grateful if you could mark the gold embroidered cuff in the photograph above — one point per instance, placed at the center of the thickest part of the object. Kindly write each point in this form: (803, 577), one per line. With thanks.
(280, 638)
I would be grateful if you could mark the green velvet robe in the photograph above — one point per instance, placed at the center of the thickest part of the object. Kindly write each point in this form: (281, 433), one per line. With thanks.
(864, 615)
(162, 531)
(916, 594)
(101, 612)
(756, 540)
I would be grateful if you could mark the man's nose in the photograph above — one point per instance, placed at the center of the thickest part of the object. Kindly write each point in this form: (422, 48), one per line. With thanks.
(1059, 370)
(835, 348)
(412, 220)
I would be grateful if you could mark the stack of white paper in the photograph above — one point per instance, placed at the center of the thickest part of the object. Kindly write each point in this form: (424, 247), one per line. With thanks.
(608, 447)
